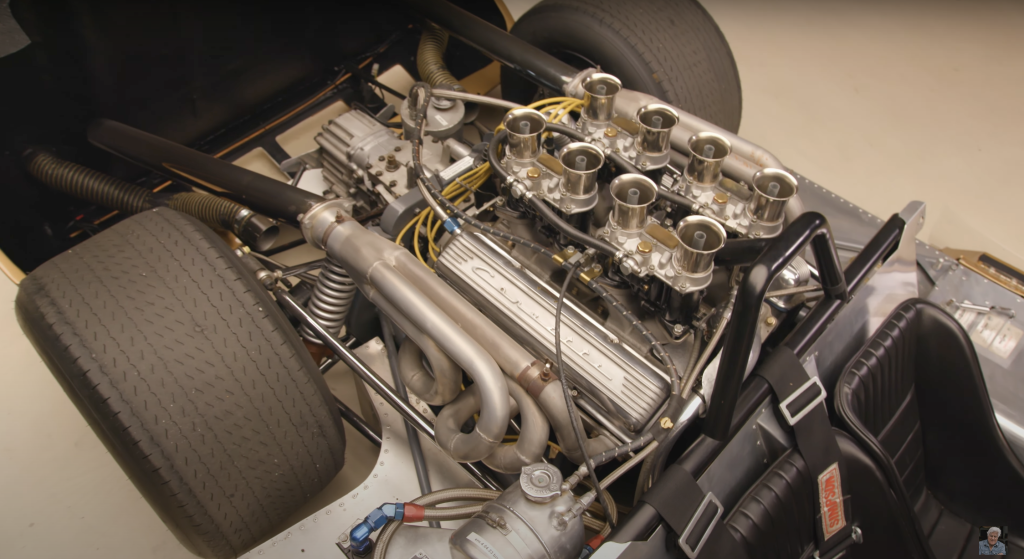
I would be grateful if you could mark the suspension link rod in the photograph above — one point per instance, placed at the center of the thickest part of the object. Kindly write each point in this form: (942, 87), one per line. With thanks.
(409, 413)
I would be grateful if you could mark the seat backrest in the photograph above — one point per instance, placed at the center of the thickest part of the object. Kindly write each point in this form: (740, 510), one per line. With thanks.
(878, 391)
(915, 396)
(775, 518)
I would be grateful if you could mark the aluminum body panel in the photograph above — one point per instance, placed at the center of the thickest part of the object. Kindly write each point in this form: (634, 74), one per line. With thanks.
(892, 283)
(610, 373)
(391, 480)
(852, 226)
(997, 335)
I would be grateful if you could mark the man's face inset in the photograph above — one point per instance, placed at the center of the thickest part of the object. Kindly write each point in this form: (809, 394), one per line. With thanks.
(992, 538)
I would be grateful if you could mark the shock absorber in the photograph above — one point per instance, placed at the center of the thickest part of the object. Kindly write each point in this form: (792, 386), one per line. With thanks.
(331, 299)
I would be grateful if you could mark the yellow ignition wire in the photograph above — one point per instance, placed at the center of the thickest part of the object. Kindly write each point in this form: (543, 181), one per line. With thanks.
(464, 186)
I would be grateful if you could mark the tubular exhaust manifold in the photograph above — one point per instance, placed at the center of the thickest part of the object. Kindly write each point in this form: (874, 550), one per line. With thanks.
(631, 195)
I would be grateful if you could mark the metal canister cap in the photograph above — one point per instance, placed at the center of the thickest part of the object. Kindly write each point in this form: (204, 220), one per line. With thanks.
(541, 482)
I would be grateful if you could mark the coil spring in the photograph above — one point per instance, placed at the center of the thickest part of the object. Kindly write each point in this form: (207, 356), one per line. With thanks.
(331, 300)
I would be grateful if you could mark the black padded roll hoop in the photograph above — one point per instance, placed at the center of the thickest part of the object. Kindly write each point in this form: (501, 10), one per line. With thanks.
(190, 375)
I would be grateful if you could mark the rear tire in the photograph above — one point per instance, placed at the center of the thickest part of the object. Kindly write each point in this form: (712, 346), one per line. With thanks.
(190, 375)
(671, 49)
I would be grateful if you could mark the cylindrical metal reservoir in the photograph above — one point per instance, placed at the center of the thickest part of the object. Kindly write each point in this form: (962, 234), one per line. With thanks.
(530, 520)
(631, 195)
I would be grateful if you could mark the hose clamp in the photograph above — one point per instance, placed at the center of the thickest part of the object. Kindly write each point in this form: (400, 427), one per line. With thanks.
(241, 217)
(319, 222)
(535, 378)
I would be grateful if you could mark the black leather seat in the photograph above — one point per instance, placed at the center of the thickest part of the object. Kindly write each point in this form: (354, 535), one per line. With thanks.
(775, 519)
(915, 399)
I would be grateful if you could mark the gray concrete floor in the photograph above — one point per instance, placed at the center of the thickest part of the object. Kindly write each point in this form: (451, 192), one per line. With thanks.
(881, 102)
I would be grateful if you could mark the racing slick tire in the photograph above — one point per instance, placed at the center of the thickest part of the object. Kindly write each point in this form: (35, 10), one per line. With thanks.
(190, 375)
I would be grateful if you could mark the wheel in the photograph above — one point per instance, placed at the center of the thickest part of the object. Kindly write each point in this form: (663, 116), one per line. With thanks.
(190, 375)
(671, 49)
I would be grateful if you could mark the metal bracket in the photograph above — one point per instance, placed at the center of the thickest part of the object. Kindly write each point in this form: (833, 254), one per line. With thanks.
(709, 499)
(784, 406)
(856, 536)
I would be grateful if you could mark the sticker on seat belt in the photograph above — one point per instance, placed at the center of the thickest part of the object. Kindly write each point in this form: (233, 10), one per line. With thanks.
(831, 499)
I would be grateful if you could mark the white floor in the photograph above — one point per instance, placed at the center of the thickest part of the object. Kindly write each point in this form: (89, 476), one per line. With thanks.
(881, 102)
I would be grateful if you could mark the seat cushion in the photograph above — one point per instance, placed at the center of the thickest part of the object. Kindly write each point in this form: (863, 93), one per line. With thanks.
(775, 518)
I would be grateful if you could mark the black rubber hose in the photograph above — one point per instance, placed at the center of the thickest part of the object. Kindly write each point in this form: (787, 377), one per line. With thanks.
(255, 230)
(574, 419)
(430, 58)
(616, 158)
(535, 64)
(208, 209)
(263, 194)
(552, 218)
(740, 252)
(87, 184)
(546, 213)
(494, 155)
(677, 199)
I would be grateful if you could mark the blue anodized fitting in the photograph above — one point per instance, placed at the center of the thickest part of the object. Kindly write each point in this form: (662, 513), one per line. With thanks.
(359, 536)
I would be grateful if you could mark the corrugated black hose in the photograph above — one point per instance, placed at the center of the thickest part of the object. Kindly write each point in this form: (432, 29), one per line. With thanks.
(430, 58)
(255, 230)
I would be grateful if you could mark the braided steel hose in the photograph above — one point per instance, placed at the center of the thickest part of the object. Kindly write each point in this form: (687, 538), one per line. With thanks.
(331, 299)
(430, 58)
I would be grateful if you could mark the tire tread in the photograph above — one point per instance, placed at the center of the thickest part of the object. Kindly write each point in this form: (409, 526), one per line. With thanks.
(181, 363)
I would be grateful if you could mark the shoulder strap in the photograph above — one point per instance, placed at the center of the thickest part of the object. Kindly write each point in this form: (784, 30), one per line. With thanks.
(801, 400)
(697, 517)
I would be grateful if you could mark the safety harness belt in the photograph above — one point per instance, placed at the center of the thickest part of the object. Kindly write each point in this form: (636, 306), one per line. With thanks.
(697, 517)
(801, 400)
